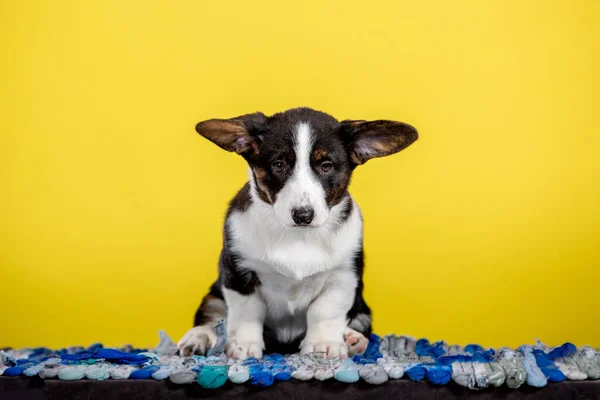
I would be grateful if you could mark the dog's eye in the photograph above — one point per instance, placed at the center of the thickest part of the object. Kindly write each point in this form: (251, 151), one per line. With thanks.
(278, 166)
(326, 167)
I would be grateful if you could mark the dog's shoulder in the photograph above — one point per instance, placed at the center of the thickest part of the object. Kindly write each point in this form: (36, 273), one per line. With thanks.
(241, 201)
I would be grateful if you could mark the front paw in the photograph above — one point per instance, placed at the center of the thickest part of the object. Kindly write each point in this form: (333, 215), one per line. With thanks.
(356, 341)
(240, 349)
(197, 341)
(325, 348)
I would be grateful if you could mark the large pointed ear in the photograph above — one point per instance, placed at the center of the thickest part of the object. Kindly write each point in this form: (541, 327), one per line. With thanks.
(370, 139)
(241, 135)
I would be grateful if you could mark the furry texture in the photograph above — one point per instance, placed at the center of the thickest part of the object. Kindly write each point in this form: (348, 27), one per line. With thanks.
(391, 357)
(291, 267)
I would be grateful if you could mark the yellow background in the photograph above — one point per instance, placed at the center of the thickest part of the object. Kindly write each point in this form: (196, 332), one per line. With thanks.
(486, 230)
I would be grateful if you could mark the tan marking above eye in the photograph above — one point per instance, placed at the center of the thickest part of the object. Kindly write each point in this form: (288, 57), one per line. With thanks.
(319, 154)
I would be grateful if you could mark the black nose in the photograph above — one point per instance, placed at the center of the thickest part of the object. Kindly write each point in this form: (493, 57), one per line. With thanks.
(303, 215)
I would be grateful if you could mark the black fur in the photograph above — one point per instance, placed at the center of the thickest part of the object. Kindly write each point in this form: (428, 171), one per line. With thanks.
(267, 144)
(359, 306)
(202, 317)
(277, 145)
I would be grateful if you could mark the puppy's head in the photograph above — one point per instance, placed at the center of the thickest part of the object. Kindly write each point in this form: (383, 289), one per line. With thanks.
(301, 160)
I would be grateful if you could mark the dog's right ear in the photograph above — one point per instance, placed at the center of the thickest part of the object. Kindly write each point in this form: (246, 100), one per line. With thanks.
(241, 135)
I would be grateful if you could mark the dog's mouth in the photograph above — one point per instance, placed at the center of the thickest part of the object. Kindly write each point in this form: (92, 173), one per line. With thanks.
(306, 227)
(301, 227)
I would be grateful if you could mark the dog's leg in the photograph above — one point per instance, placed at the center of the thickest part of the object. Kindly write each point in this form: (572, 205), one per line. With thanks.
(327, 317)
(202, 336)
(245, 324)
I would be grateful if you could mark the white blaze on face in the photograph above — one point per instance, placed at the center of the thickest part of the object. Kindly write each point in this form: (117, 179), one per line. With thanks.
(302, 189)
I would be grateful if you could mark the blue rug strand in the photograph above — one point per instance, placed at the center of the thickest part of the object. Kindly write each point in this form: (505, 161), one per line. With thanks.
(387, 357)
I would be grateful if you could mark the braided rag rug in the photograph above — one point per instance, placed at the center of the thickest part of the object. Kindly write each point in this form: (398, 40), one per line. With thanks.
(387, 357)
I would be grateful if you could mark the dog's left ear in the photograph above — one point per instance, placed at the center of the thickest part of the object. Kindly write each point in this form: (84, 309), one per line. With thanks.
(241, 135)
(370, 139)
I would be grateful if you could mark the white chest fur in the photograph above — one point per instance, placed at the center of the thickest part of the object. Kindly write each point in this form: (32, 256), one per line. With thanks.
(293, 265)
(297, 253)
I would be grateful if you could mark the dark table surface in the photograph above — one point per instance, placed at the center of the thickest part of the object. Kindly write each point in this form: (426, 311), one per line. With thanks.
(36, 388)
